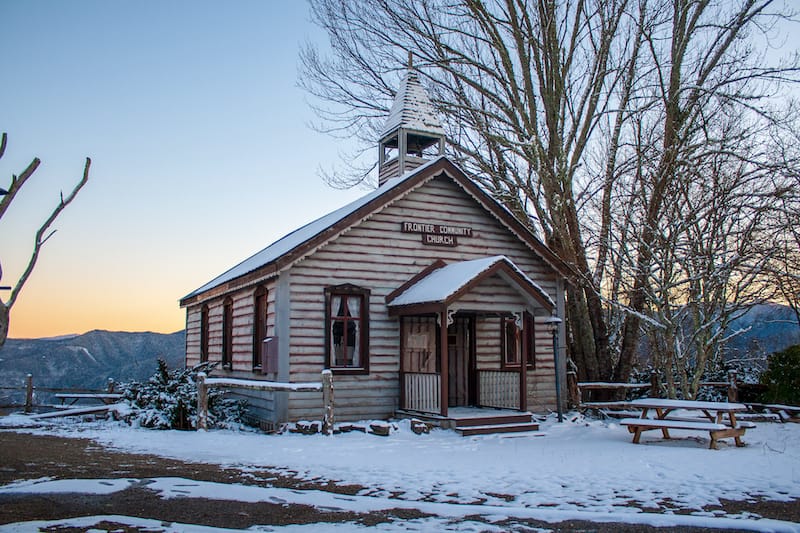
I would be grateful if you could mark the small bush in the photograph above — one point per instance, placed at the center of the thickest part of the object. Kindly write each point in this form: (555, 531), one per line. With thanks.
(782, 377)
(168, 400)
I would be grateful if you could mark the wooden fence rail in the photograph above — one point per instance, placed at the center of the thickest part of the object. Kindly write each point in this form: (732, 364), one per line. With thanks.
(733, 386)
(326, 386)
(30, 390)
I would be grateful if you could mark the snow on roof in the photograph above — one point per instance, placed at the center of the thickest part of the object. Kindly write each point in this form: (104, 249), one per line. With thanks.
(412, 109)
(444, 282)
(294, 239)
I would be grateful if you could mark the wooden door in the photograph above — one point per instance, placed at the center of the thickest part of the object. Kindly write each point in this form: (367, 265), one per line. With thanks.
(460, 363)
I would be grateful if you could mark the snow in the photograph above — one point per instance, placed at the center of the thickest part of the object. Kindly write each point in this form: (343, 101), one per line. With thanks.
(611, 385)
(185, 488)
(84, 350)
(267, 385)
(688, 404)
(412, 109)
(582, 469)
(444, 282)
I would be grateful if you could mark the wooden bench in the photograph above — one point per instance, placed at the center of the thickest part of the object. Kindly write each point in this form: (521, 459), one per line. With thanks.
(739, 423)
(786, 413)
(716, 431)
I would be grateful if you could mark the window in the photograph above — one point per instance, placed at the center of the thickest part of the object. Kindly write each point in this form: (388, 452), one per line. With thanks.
(227, 332)
(347, 329)
(259, 326)
(510, 332)
(512, 339)
(204, 333)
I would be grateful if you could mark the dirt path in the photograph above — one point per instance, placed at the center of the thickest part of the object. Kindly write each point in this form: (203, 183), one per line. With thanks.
(24, 456)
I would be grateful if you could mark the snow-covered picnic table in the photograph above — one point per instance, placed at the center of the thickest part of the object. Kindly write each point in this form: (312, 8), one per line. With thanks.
(718, 418)
(105, 397)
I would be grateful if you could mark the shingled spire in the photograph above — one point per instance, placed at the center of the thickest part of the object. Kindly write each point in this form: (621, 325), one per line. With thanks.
(412, 133)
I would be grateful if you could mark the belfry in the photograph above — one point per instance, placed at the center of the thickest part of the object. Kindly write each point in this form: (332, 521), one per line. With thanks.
(412, 134)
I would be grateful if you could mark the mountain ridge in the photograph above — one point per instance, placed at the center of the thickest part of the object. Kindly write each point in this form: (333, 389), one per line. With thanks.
(86, 361)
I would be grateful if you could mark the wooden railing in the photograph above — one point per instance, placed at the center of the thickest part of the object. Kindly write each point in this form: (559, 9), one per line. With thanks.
(422, 392)
(36, 396)
(498, 388)
(325, 386)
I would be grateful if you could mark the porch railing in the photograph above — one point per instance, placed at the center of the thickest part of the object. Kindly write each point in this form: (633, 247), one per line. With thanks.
(422, 392)
(498, 388)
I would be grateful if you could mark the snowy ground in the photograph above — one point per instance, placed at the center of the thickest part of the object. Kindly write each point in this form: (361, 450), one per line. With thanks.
(581, 469)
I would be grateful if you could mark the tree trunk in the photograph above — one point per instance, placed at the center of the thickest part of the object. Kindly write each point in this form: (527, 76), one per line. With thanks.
(4, 318)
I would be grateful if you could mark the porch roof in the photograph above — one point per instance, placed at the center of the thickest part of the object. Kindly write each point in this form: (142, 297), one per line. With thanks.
(443, 284)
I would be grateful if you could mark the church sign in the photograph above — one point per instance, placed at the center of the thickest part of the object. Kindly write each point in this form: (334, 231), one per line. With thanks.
(436, 234)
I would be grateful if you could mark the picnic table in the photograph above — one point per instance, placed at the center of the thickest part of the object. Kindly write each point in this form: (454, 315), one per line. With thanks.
(105, 397)
(718, 418)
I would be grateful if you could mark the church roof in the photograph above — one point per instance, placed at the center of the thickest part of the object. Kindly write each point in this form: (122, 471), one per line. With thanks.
(412, 109)
(289, 242)
(296, 245)
(446, 283)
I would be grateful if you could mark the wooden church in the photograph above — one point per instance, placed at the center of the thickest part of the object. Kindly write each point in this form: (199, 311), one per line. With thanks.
(426, 297)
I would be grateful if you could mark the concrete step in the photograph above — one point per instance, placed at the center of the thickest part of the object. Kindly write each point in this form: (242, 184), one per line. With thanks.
(488, 429)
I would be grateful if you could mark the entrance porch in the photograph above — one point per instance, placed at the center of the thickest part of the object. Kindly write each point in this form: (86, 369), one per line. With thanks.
(467, 336)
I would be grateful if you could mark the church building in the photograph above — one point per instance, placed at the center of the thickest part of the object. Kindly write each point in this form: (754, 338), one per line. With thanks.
(425, 297)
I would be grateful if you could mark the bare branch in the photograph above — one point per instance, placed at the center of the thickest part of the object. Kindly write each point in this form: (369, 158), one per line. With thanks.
(42, 234)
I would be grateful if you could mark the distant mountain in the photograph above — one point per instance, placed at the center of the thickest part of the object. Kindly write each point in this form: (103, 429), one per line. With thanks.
(765, 329)
(86, 361)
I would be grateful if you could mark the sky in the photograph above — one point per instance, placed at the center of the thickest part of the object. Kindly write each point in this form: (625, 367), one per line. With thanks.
(201, 146)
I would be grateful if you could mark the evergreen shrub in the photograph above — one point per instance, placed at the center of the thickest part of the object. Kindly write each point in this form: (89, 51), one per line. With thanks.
(782, 377)
(168, 400)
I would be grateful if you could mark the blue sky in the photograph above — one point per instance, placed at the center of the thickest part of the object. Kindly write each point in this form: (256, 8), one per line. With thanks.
(200, 145)
(202, 153)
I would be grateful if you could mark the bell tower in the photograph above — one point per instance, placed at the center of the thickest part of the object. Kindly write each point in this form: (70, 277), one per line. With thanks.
(412, 134)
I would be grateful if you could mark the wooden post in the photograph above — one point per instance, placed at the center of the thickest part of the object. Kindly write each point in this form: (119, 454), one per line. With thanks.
(111, 385)
(444, 365)
(328, 419)
(202, 402)
(574, 390)
(28, 393)
(523, 367)
(655, 386)
(733, 390)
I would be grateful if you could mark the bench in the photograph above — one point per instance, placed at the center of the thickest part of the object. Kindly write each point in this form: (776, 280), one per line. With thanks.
(105, 397)
(716, 431)
(739, 423)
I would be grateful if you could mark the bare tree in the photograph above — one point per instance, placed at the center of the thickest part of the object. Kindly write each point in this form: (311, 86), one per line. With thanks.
(42, 234)
(712, 252)
(784, 266)
(581, 117)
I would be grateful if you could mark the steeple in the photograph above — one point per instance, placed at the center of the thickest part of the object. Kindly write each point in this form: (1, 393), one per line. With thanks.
(412, 133)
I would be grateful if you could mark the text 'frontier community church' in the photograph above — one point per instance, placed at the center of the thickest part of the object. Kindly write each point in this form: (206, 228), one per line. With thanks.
(425, 298)
(437, 234)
